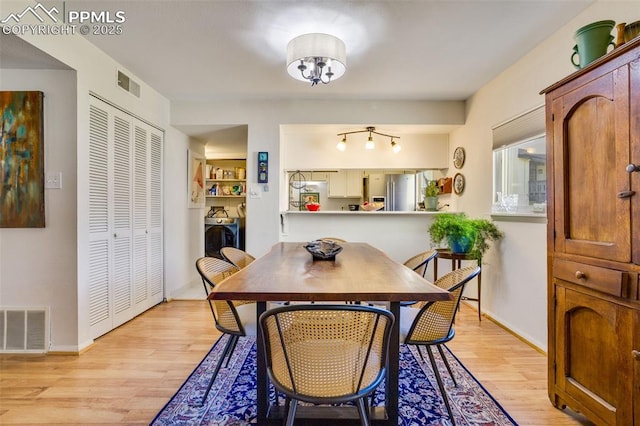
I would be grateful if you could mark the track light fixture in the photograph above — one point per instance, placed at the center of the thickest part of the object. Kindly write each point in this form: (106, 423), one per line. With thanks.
(342, 145)
(395, 146)
(370, 144)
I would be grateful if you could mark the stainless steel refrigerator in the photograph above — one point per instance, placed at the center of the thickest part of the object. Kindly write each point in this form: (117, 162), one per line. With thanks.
(397, 191)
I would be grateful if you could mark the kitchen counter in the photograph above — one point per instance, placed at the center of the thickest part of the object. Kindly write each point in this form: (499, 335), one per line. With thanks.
(399, 234)
(363, 212)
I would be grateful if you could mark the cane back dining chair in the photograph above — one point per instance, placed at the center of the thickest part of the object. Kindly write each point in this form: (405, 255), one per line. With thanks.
(326, 354)
(432, 325)
(239, 258)
(333, 239)
(419, 263)
(235, 318)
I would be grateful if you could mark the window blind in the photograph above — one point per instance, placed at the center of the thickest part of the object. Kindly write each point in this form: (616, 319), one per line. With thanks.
(520, 128)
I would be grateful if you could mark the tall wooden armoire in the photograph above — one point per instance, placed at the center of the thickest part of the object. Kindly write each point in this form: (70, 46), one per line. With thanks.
(593, 161)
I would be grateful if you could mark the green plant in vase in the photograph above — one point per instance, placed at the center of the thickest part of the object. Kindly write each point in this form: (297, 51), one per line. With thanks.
(463, 234)
(431, 192)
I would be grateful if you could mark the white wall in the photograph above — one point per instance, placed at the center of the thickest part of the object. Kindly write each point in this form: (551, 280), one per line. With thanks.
(314, 147)
(264, 119)
(38, 265)
(514, 277)
(400, 236)
(95, 73)
(183, 227)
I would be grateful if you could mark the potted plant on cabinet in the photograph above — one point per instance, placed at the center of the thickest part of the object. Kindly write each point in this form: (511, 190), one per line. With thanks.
(463, 234)
(431, 192)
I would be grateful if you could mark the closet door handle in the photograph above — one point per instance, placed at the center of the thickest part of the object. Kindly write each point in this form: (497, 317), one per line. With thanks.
(626, 194)
(636, 355)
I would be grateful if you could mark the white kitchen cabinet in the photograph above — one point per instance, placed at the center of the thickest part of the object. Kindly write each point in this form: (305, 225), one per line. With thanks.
(319, 176)
(345, 184)
(125, 269)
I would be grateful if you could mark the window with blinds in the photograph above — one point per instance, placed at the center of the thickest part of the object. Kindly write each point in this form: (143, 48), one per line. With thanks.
(520, 164)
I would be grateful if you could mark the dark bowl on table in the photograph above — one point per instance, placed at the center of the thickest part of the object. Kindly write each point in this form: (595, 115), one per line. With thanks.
(323, 250)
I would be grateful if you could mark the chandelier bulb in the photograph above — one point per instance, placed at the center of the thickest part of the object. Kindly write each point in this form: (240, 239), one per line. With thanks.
(395, 147)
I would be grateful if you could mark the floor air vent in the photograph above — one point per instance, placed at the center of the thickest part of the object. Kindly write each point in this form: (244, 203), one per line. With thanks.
(24, 330)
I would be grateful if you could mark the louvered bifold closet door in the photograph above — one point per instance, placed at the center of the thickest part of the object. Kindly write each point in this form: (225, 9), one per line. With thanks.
(110, 286)
(156, 261)
(148, 260)
(125, 253)
(100, 317)
(121, 219)
(140, 214)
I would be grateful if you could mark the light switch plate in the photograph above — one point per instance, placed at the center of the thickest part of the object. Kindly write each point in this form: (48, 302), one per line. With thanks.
(255, 191)
(53, 180)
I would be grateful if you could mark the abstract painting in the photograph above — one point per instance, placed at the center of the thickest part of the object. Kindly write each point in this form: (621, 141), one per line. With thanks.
(21, 160)
(196, 180)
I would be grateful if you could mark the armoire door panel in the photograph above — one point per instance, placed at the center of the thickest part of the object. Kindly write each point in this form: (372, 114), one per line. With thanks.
(586, 332)
(591, 155)
(635, 356)
(634, 139)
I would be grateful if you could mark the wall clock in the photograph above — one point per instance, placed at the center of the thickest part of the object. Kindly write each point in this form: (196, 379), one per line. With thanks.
(458, 183)
(458, 157)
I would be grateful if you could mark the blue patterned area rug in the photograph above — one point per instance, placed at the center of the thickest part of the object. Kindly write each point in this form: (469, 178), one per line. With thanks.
(232, 400)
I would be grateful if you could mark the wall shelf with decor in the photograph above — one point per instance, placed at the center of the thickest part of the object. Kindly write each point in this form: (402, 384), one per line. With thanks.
(226, 182)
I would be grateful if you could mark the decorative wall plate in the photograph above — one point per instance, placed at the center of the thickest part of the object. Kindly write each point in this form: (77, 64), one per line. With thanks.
(458, 157)
(458, 183)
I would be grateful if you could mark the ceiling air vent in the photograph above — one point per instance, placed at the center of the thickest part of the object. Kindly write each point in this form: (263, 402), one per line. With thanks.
(128, 84)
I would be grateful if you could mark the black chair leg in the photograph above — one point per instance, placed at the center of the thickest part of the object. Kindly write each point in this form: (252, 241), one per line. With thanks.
(440, 385)
(291, 412)
(446, 363)
(230, 344)
(420, 353)
(233, 348)
(363, 411)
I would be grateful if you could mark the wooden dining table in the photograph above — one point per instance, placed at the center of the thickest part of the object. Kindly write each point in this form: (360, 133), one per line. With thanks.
(359, 272)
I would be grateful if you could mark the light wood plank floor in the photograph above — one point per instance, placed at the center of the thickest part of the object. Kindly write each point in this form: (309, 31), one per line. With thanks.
(128, 375)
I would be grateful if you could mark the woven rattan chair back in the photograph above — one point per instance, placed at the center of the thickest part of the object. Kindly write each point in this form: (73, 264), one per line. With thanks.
(239, 258)
(420, 262)
(326, 354)
(213, 270)
(335, 240)
(435, 321)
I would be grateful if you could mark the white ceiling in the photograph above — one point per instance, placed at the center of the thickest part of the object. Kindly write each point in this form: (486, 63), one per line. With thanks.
(418, 50)
(403, 50)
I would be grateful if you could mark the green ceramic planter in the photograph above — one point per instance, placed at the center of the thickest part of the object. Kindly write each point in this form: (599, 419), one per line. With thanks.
(592, 42)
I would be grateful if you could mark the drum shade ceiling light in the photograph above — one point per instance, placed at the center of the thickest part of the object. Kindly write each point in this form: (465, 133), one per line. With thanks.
(316, 58)
(342, 145)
